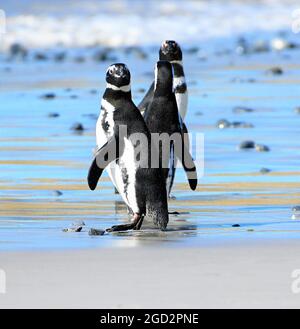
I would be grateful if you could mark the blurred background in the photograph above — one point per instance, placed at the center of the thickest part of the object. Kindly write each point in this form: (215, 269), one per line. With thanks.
(114, 23)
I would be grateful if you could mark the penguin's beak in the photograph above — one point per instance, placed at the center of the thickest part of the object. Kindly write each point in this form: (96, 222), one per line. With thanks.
(168, 47)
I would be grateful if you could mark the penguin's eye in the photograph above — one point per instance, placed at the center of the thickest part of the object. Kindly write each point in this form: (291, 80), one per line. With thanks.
(110, 70)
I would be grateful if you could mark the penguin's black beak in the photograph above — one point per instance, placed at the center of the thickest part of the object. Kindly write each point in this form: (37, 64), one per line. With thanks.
(169, 47)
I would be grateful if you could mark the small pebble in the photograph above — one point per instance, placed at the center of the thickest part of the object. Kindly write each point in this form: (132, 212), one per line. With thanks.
(260, 47)
(297, 110)
(49, 96)
(247, 145)
(59, 57)
(53, 115)
(279, 44)
(73, 229)
(57, 193)
(40, 57)
(250, 230)
(18, 50)
(77, 127)
(261, 148)
(265, 170)
(276, 70)
(223, 123)
(239, 124)
(94, 231)
(296, 209)
(242, 109)
(236, 225)
(93, 91)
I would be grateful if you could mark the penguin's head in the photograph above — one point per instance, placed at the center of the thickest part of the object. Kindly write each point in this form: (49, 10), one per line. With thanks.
(118, 76)
(170, 51)
(163, 76)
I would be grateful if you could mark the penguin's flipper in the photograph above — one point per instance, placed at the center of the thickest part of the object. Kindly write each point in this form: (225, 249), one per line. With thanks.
(184, 156)
(109, 152)
(147, 99)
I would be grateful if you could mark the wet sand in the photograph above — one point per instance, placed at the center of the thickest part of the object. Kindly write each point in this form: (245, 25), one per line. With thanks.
(254, 275)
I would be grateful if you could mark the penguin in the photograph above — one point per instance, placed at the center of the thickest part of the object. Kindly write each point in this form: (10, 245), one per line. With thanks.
(141, 187)
(171, 51)
(162, 117)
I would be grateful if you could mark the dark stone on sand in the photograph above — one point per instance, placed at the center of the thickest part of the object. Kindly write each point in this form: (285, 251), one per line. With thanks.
(49, 96)
(68, 90)
(223, 123)
(276, 70)
(94, 231)
(261, 47)
(261, 148)
(242, 109)
(40, 57)
(60, 57)
(297, 110)
(247, 145)
(296, 209)
(57, 193)
(53, 115)
(236, 225)
(73, 229)
(242, 47)
(265, 170)
(77, 127)
(198, 113)
(73, 96)
(93, 91)
(18, 50)
(240, 124)
(103, 56)
(141, 90)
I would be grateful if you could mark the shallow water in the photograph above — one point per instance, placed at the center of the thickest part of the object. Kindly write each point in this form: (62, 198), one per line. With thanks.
(39, 154)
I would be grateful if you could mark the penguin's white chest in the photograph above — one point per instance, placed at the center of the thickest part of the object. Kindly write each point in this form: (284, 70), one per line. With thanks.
(122, 172)
(105, 124)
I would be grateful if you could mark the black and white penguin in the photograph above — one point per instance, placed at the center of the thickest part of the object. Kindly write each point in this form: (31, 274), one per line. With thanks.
(171, 51)
(162, 117)
(142, 188)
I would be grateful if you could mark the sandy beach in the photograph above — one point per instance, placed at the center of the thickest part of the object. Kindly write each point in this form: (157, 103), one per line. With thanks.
(231, 276)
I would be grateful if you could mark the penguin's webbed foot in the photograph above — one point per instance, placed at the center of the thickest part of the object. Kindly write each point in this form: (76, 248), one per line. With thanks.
(135, 225)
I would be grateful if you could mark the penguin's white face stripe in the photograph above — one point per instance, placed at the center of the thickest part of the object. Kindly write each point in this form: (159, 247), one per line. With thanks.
(176, 62)
(122, 88)
(178, 81)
